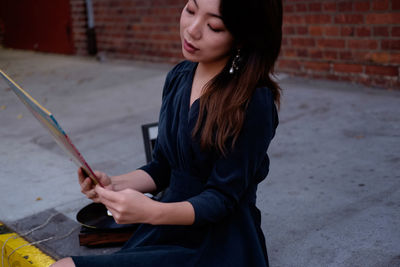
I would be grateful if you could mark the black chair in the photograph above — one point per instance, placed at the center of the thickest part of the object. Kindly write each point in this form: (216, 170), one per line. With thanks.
(149, 131)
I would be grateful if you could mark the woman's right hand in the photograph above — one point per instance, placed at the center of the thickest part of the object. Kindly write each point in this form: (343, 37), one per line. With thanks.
(87, 185)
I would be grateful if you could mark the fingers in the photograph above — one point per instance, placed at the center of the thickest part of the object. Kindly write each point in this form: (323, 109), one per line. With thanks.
(106, 196)
(81, 176)
(103, 178)
(92, 194)
(86, 185)
(123, 205)
(110, 200)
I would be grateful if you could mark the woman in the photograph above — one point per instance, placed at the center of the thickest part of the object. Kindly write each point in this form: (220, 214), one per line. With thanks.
(217, 119)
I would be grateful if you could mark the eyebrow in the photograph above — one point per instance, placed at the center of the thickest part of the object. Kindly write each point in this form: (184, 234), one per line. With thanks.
(210, 14)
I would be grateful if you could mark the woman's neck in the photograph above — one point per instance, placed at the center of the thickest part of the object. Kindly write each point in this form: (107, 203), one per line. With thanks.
(208, 71)
(205, 72)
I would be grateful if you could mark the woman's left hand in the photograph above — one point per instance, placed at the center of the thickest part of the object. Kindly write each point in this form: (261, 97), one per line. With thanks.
(128, 206)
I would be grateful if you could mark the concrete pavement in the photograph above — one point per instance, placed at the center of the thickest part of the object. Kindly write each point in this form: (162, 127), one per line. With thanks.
(332, 197)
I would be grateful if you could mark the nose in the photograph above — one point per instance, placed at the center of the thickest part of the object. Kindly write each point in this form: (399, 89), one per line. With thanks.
(194, 29)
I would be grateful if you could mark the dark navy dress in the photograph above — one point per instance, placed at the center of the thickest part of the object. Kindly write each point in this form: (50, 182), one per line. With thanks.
(222, 190)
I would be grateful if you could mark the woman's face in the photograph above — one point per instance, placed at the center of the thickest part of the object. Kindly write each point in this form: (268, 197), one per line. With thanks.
(203, 34)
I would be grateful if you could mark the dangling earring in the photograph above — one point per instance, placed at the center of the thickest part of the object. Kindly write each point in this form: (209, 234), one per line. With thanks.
(235, 63)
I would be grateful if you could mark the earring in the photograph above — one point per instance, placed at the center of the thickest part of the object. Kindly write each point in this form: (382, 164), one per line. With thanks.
(235, 63)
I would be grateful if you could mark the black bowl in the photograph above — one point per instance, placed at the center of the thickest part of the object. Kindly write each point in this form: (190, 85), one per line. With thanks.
(94, 216)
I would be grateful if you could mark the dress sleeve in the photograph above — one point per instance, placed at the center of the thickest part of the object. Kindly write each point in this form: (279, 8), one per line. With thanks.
(159, 168)
(232, 175)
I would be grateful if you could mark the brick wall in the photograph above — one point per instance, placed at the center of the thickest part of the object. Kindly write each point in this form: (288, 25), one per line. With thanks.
(135, 29)
(347, 40)
(79, 24)
(356, 41)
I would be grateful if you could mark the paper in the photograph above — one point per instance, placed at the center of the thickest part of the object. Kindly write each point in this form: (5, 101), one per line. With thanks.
(49, 122)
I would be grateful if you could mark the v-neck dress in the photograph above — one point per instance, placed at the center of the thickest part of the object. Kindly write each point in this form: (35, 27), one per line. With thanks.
(227, 228)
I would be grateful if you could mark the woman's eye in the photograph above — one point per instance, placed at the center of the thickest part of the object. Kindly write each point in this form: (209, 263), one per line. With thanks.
(191, 12)
(214, 29)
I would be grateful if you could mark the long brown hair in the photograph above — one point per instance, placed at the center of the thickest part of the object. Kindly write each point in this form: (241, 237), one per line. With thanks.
(256, 26)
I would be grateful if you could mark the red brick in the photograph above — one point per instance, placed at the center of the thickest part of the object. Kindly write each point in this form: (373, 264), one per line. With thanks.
(318, 19)
(331, 6)
(302, 52)
(332, 30)
(315, 30)
(347, 31)
(288, 8)
(289, 64)
(382, 70)
(349, 18)
(383, 18)
(289, 53)
(381, 31)
(345, 6)
(302, 30)
(332, 43)
(346, 55)
(332, 77)
(380, 5)
(318, 66)
(395, 58)
(360, 56)
(315, 7)
(362, 44)
(315, 53)
(395, 4)
(396, 32)
(288, 30)
(330, 55)
(301, 7)
(390, 44)
(293, 19)
(363, 31)
(303, 42)
(378, 57)
(361, 6)
(353, 68)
